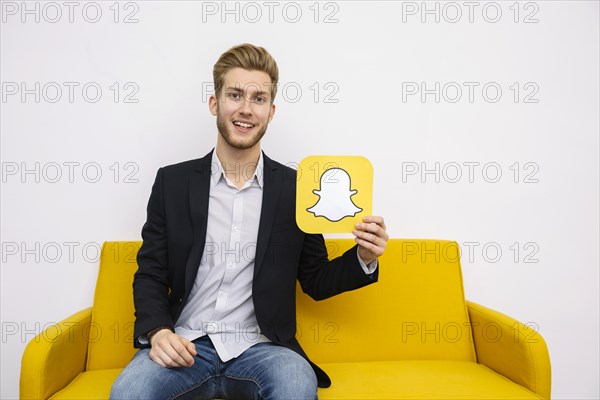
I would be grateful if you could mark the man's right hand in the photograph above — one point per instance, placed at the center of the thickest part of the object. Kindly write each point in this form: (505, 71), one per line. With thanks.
(171, 350)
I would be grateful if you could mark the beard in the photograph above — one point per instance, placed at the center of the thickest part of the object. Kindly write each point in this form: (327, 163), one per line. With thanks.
(232, 140)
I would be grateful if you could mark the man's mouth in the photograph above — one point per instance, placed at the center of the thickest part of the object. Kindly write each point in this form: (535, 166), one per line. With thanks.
(243, 126)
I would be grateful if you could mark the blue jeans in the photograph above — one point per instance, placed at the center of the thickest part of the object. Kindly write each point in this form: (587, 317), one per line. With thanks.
(264, 371)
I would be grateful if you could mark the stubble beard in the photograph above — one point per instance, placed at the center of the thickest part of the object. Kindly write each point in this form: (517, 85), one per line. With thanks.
(229, 137)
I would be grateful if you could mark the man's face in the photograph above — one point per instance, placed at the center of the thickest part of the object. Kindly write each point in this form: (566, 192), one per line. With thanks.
(243, 108)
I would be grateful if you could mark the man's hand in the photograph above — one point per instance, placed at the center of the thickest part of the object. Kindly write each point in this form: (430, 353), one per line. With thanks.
(170, 350)
(371, 238)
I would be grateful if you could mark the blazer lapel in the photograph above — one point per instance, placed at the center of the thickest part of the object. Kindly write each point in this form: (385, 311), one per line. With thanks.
(272, 185)
(199, 189)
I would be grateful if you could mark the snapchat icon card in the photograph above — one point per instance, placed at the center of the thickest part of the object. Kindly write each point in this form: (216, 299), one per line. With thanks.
(333, 193)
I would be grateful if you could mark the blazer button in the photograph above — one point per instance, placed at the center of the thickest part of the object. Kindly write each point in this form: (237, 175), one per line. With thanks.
(180, 301)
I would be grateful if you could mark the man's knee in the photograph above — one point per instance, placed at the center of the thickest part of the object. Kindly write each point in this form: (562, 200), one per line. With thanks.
(292, 377)
(119, 389)
(139, 379)
(123, 389)
(303, 379)
(302, 384)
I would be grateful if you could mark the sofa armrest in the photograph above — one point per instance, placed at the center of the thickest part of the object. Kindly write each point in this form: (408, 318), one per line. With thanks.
(511, 348)
(54, 357)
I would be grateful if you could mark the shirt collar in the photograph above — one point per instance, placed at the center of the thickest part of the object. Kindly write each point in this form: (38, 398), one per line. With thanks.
(217, 172)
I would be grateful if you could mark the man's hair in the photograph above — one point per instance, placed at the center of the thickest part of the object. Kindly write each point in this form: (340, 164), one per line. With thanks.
(249, 57)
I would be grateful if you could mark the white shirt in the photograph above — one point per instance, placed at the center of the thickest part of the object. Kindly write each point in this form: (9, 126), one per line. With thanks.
(220, 303)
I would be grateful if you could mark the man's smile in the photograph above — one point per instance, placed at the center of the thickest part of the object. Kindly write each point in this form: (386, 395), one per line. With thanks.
(243, 126)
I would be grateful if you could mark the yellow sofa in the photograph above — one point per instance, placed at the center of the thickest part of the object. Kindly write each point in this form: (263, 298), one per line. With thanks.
(411, 335)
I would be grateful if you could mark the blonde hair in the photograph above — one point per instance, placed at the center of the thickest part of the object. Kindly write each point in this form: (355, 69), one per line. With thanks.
(248, 57)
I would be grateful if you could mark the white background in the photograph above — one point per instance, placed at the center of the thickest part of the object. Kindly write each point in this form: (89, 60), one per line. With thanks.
(365, 59)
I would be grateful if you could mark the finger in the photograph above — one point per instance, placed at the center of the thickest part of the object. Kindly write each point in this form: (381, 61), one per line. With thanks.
(166, 358)
(373, 249)
(190, 346)
(375, 219)
(160, 357)
(370, 237)
(378, 230)
(373, 228)
(174, 359)
(156, 359)
(183, 352)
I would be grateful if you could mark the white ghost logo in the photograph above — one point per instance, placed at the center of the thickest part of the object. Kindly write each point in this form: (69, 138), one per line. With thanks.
(334, 197)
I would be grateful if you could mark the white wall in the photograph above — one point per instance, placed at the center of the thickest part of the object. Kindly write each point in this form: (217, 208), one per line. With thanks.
(367, 59)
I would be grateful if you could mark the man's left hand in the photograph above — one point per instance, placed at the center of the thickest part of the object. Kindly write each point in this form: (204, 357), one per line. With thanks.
(371, 238)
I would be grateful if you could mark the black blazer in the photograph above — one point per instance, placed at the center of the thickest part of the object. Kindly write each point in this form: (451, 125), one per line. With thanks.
(174, 238)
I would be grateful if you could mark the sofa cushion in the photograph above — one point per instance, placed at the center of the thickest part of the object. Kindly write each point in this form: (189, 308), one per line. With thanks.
(418, 380)
(89, 385)
(366, 380)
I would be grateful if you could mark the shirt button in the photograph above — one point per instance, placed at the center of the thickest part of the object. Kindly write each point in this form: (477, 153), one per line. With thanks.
(221, 294)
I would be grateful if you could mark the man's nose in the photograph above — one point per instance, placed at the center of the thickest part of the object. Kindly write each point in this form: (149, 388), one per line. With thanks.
(245, 106)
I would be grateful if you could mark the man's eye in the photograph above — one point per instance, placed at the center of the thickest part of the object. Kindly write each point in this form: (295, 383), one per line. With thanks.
(233, 95)
(260, 100)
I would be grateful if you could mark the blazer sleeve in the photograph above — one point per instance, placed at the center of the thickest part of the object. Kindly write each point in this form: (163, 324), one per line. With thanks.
(321, 278)
(151, 281)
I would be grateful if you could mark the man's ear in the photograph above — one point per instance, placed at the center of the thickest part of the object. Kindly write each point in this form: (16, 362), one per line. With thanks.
(212, 104)
(272, 112)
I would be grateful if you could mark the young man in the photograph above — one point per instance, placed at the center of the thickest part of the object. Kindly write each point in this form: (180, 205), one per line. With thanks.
(216, 285)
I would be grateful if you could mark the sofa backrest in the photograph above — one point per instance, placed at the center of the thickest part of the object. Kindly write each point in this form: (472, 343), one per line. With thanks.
(416, 311)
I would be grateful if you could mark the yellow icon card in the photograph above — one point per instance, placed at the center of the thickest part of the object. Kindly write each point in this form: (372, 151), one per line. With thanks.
(333, 193)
